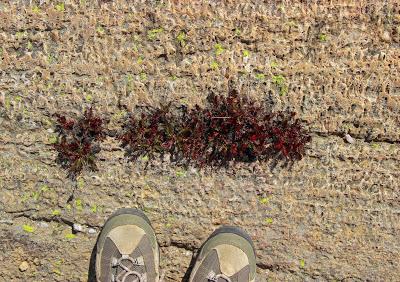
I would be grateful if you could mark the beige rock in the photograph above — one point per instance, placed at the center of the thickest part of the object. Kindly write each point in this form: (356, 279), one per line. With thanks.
(36, 261)
(386, 36)
(349, 139)
(24, 266)
(335, 210)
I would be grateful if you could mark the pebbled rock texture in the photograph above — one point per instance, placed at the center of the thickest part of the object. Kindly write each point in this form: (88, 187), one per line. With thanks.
(332, 216)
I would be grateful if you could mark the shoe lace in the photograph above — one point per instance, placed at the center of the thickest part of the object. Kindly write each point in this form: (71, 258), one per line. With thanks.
(123, 275)
(212, 277)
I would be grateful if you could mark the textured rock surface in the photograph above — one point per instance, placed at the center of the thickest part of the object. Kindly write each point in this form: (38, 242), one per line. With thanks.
(332, 216)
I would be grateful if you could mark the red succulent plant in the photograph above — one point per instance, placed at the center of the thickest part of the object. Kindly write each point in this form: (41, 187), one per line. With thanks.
(229, 128)
(77, 142)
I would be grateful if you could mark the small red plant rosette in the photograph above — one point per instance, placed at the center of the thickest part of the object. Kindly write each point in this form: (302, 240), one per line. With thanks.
(78, 141)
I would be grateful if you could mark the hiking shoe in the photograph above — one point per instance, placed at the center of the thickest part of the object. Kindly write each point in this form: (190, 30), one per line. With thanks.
(127, 249)
(228, 255)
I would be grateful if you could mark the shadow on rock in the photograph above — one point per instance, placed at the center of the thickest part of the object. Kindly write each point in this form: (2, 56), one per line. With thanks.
(92, 263)
(190, 267)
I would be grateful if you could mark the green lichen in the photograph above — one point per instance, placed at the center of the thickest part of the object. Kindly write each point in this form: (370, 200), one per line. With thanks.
(260, 76)
(153, 33)
(78, 204)
(60, 7)
(57, 266)
(29, 46)
(55, 212)
(100, 30)
(170, 221)
(280, 82)
(70, 236)
(214, 65)
(184, 101)
(51, 58)
(129, 78)
(44, 188)
(274, 64)
(375, 145)
(59, 262)
(7, 103)
(21, 34)
(246, 53)
(181, 38)
(218, 49)
(88, 98)
(140, 60)
(136, 43)
(57, 271)
(25, 197)
(302, 263)
(35, 9)
(25, 113)
(35, 196)
(93, 208)
(28, 228)
(147, 209)
(80, 183)
(278, 79)
(269, 220)
(180, 173)
(237, 31)
(47, 122)
(143, 76)
(323, 37)
(118, 115)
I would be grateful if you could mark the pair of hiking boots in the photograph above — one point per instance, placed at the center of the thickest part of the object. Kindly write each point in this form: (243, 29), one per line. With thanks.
(127, 251)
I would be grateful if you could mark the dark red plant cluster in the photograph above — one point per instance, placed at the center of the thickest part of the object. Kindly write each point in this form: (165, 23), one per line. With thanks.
(231, 128)
(77, 142)
(228, 129)
(154, 132)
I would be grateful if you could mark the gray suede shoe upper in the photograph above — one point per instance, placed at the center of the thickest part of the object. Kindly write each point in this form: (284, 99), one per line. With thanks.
(127, 249)
(227, 256)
